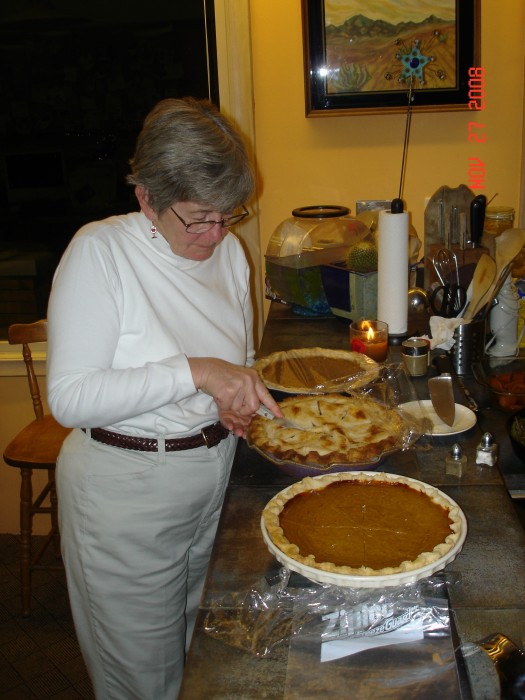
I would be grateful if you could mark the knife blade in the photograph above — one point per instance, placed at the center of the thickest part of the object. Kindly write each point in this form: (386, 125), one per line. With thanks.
(442, 397)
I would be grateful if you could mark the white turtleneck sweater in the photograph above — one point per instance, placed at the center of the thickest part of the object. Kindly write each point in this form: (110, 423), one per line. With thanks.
(124, 315)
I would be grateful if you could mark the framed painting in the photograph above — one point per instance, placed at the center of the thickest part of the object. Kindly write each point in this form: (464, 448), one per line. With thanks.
(374, 56)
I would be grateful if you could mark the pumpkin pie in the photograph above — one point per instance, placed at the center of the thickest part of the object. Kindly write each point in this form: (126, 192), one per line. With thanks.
(314, 370)
(363, 523)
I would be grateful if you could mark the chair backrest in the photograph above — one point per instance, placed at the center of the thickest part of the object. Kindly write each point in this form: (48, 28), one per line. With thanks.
(25, 334)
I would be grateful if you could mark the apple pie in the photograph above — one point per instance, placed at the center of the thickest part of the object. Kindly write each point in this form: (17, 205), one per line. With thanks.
(329, 429)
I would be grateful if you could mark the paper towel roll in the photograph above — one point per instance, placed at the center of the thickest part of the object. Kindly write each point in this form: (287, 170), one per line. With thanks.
(392, 271)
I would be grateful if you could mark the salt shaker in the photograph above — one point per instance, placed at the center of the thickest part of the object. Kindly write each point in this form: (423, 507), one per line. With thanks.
(455, 461)
(487, 451)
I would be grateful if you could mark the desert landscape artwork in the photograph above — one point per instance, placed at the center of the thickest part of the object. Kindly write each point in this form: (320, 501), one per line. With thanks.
(378, 46)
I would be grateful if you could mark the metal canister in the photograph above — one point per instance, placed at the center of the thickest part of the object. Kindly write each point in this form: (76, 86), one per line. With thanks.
(415, 353)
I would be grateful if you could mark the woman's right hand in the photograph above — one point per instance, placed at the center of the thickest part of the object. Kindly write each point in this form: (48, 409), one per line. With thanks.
(235, 422)
(236, 389)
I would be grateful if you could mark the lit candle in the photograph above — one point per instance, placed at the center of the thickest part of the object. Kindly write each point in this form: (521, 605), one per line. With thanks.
(370, 338)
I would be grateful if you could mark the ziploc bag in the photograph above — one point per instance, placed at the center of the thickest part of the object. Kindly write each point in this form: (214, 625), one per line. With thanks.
(389, 645)
(343, 642)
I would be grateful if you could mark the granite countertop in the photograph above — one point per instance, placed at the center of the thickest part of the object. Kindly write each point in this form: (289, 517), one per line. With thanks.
(485, 583)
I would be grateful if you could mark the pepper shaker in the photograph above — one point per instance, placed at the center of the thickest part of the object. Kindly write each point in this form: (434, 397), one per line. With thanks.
(455, 461)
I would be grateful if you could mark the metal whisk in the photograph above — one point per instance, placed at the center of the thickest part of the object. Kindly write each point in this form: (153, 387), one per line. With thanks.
(446, 266)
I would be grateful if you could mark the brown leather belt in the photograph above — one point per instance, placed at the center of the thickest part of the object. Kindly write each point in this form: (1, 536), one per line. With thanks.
(209, 436)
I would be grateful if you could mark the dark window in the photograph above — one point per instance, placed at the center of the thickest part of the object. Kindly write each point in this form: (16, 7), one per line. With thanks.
(76, 81)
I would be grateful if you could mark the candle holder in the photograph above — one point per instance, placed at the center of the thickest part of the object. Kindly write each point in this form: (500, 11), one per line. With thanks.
(370, 338)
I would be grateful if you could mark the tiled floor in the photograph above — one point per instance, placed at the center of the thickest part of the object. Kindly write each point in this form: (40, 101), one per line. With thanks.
(39, 655)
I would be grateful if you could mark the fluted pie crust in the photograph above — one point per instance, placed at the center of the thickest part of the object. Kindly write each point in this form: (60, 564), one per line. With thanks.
(362, 523)
(331, 429)
(314, 370)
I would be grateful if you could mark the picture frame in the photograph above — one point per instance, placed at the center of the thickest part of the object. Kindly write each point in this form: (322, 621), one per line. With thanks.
(361, 62)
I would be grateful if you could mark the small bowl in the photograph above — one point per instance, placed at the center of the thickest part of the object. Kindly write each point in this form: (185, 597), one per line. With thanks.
(504, 377)
(517, 445)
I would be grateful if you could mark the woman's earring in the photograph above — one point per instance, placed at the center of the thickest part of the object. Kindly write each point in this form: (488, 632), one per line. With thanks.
(153, 230)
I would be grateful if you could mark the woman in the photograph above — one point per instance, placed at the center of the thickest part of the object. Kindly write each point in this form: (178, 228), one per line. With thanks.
(150, 342)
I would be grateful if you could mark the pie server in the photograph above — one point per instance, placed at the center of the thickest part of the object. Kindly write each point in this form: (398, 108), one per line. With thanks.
(442, 397)
(443, 363)
(266, 413)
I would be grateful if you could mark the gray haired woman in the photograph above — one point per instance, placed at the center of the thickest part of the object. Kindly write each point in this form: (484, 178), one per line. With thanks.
(150, 347)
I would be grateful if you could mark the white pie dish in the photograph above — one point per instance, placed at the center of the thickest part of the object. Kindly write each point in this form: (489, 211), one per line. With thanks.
(379, 581)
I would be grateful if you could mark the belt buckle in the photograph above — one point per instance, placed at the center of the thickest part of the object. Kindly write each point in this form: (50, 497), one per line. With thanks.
(205, 437)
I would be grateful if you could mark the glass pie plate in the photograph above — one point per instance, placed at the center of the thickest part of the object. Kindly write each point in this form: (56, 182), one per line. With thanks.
(300, 470)
(380, 581)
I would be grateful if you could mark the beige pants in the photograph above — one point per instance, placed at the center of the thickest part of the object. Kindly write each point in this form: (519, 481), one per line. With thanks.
(137, 530)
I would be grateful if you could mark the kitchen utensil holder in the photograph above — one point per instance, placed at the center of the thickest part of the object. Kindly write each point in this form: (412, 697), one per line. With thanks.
(469, 346)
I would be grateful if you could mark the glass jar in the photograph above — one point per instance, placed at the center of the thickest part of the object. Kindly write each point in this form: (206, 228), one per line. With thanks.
(497, 220)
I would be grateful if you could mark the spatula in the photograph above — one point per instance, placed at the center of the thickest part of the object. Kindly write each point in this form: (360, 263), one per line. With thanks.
(482, 280)
(508, 245)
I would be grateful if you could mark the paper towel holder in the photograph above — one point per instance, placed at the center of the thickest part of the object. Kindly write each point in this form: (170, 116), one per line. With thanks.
(397, 206)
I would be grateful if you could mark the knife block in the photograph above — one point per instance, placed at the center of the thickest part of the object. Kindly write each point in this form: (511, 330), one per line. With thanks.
(448, 225)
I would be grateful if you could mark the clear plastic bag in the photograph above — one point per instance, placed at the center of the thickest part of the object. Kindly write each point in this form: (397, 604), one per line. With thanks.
(273, 612)
(311, 620)
(262, 618)
(391, 387)
(394, 389)
(316, 370)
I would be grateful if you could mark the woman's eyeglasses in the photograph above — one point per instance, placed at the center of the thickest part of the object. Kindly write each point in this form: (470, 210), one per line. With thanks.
(205, 226)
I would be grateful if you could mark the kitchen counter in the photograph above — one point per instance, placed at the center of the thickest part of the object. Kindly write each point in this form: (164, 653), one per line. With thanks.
(486, 582)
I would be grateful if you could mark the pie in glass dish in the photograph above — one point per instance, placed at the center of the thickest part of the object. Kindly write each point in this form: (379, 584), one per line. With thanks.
(316, 370)
(329, 429)
(356, 526)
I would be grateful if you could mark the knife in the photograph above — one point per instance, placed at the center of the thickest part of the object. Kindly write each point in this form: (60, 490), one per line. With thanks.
(477, 219)
(442, 397)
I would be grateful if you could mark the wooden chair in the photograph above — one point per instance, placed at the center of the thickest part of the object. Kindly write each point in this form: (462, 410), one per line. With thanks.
(35, 447)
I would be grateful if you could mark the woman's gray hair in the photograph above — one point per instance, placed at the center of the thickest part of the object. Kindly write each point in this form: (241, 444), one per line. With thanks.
(188, 151)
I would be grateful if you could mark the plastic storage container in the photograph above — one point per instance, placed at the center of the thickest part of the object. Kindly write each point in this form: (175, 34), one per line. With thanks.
(313, 236)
